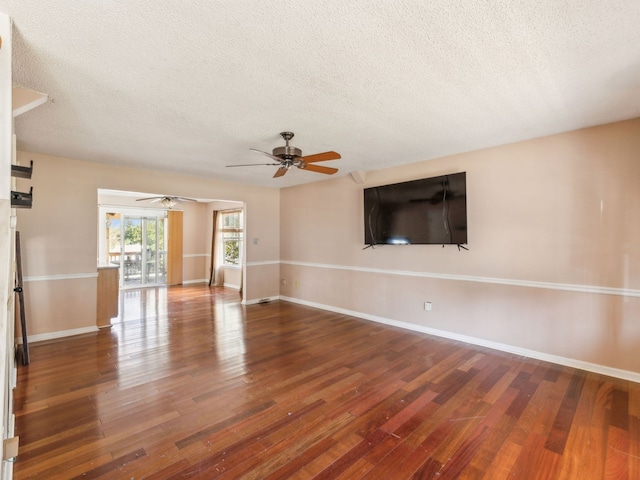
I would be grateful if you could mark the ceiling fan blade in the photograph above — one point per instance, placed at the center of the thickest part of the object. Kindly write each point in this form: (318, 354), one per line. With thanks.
(319, 169)
(252, 164)
(166, 198)
(321, 157)
(277, 159)
(184, 199)
(280, 172)
(152, 199)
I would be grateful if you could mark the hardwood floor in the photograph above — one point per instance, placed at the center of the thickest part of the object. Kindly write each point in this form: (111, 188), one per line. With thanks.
(190, 384)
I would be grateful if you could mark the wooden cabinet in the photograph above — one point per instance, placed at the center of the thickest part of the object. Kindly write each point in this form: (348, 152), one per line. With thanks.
(107, 295)
(174, 248)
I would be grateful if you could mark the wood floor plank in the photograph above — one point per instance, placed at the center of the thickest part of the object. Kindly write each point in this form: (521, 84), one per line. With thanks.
(115, 464)
(301, 449)
(497, 432)
(334, 453)
(633, 452)
(353, 455)
(505, 458)
(189, 383)
(562, 423)
(535, 461)
(616, 464)
(585, 449)
(620, 409)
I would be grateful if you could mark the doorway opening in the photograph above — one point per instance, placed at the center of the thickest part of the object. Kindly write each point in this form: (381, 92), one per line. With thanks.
(152, 245)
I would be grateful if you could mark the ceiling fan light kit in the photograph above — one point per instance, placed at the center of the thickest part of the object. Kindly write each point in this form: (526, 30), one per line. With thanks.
(167, 201)
(288, 156)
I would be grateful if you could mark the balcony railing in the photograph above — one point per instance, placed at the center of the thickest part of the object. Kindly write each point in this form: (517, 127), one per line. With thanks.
(136, 271)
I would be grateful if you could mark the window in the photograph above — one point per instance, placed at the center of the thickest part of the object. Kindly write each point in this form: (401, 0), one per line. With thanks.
(231, 231)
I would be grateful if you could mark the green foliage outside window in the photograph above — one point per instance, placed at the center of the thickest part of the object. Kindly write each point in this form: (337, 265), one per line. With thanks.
(231, 252)
(232, 236)
(132, 233)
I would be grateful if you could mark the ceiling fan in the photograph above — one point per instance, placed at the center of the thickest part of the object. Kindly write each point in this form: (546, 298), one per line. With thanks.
(288, 156)
(166, 200)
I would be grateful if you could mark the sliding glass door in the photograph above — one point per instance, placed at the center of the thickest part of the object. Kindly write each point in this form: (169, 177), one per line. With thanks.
(137, 243)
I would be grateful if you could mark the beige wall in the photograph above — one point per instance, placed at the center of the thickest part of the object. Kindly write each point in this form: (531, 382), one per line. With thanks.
(553, 264)
(553, 268)
(195, 263)
(59, 234)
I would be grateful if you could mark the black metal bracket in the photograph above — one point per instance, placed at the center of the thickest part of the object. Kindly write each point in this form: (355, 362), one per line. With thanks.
(22, 172)
(21, 199)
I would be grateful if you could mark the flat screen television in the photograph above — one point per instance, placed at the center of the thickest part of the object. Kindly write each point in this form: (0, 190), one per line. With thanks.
(426, 211)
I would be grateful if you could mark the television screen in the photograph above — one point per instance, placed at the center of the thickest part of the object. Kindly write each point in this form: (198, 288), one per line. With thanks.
(426, 211)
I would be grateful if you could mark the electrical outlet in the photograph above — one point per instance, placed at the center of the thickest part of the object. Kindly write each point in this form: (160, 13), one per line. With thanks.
(283, 281)
(427, 306)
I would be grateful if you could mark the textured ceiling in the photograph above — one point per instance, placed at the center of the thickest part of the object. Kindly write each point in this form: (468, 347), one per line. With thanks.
(190, 86)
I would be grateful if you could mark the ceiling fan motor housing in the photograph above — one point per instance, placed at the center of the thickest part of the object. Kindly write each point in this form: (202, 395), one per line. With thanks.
(287, 152)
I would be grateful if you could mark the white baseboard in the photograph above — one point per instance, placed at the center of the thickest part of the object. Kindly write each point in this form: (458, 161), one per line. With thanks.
(261, 300)
(206, 280)
(568, 362)
(41, 337)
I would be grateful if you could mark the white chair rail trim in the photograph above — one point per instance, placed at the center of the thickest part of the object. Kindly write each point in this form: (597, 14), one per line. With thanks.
(624, 292)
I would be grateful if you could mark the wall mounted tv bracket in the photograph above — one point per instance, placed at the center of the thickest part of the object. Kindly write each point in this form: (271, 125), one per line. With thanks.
(374, 245)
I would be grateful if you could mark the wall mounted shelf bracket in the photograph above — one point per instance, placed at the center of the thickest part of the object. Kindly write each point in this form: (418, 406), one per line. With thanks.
(21, 199)
(22, 172)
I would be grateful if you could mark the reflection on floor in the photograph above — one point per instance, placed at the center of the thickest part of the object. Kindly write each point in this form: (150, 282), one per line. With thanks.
(144, 313)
